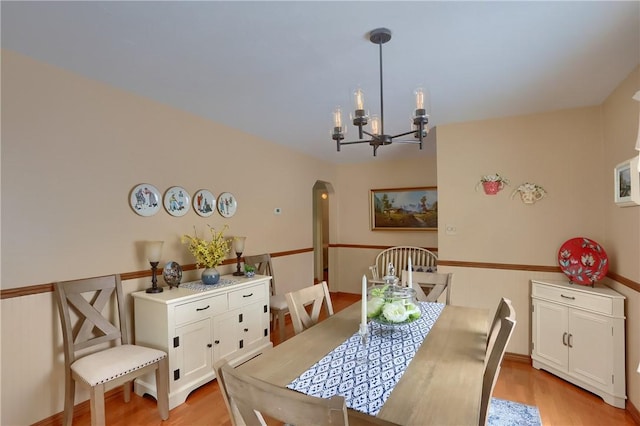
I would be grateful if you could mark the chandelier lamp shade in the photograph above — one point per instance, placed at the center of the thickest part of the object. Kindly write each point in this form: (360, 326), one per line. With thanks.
(360, 117)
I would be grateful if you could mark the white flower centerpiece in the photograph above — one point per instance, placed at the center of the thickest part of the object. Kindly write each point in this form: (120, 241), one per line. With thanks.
(392, 305)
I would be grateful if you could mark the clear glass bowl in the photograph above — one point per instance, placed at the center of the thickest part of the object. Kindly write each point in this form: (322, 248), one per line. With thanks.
(392, 305)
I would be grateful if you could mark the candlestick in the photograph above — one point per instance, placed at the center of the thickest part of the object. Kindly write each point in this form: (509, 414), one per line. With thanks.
(363, 317)
(410, 284)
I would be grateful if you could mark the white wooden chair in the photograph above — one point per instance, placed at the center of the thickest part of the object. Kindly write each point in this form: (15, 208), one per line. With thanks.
(316, 296)
(253, 398)
(96, 349)
(277, 302)
(499, 337)
(435, 284)
(421, 259)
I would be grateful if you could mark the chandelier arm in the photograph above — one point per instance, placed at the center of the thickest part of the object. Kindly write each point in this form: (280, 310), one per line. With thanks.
(354, 142)
(412, 132)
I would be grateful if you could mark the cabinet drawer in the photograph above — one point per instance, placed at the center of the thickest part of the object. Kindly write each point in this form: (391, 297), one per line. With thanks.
(591, 302)
(247, 296)
(199, 309)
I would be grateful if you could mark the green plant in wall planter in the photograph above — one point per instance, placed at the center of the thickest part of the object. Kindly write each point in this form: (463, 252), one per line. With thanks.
(492, 184)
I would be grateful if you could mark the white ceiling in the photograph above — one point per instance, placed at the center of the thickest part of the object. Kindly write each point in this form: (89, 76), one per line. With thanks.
(278, 69)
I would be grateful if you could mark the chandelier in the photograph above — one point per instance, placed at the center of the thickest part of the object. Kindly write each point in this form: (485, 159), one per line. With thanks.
(360, 117)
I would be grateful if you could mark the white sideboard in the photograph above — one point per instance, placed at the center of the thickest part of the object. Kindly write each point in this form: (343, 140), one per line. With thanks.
(196, 328)
(578, 334)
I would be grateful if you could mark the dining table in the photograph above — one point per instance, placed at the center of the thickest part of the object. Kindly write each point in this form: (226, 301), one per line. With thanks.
(441, 385)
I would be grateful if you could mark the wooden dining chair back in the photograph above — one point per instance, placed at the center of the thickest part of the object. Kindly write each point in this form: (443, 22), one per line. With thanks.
(504, 309)
(277, 303)
(435, 284)
(96, 349)
(498, 340)
(421, 258)
(255, 398)
(232, 408)
(316, 296)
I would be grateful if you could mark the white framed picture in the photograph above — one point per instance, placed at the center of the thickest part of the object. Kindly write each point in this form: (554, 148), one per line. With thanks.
(626, 178)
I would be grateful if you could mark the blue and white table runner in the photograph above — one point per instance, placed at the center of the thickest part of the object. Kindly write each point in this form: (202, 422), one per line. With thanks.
(366, 386)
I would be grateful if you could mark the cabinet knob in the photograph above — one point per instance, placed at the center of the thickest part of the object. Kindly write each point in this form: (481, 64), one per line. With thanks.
(217, 342)
(209, 345)
(246, 329)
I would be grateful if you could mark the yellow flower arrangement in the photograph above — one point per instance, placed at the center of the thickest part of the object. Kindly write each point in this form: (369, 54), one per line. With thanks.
(208, 254)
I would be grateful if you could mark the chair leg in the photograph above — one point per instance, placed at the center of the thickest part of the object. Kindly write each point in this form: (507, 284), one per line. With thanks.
(69, 399)
(126, 390)
(162, 388)
(281, 325)
(97, 405)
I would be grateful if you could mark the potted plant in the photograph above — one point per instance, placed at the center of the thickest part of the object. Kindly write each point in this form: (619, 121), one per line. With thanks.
(492, 184)
(209, 254)
(249, 270)
(530, 192)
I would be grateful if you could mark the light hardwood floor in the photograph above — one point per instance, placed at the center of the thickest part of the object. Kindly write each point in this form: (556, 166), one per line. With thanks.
(559, 402)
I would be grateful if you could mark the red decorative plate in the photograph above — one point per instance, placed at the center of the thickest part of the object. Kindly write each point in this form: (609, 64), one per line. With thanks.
(583, 260)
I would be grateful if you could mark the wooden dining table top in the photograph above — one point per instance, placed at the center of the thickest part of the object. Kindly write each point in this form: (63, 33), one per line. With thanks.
(441, 386)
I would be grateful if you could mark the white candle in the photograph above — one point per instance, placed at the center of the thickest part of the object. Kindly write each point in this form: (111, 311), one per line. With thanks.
(363, 319)
(410, 283)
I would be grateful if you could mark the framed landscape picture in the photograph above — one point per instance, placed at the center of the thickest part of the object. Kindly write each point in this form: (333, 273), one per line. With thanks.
(404, 209)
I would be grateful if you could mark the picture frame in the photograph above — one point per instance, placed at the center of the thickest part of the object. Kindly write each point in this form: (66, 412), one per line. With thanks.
(626, 178)
(404, 209)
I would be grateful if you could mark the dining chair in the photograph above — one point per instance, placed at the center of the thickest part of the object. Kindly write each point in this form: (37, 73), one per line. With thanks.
(255, 398)
(437, 283)
(316, 296)
(399, 255)
(232, 408)
(503, 310)
(277, 303)
(96, 349)
(498, 339)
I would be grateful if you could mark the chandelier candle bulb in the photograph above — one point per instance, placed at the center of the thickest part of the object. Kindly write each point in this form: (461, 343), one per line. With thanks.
(337, 119)
(375, 125)
(419, 98)
(358, 97)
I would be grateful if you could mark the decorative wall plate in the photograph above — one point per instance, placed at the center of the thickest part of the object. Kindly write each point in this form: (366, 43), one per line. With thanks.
(172, 274)
(145, 199)
(177, 201)
(227, 204)
(204, 203)
(583, 260)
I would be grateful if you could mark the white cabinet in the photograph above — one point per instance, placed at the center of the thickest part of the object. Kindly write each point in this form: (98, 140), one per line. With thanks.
(196, 328)
(578, 335)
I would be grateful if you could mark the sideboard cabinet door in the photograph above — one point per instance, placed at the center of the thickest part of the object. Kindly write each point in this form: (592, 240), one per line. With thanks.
(578, 334)
(196, 327)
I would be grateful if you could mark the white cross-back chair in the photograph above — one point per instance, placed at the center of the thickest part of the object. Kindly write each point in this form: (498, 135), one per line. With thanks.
(499, 336)
(435, 283)
(316, 296)
(96, 349)
(249, 398)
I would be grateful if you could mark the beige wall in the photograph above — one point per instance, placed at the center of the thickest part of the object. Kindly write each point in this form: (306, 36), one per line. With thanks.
(620, 126)
(353, 183)
(72, 149)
